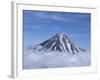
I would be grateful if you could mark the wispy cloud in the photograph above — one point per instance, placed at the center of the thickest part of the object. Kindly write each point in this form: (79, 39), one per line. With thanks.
(38, 26)
(46, 15)
(62, 18)
(53, 16)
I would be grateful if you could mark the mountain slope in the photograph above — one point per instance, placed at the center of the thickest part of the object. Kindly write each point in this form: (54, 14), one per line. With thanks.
(59, 42)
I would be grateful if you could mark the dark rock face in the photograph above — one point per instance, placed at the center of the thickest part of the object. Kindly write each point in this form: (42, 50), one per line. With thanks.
(59, 42)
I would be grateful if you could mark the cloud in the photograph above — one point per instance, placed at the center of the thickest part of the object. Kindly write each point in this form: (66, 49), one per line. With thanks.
(61, 18)
(35, 16)
(55, 60)
(38, 26)
(53, 16)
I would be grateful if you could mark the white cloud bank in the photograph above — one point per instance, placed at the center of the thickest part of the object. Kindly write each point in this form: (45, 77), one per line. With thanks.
(55, 60)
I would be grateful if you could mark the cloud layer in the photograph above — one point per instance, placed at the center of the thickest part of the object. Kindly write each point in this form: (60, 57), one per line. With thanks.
(55, 60)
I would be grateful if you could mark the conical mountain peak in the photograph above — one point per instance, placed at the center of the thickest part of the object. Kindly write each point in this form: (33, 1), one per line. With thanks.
(60, 42)
(60, 34)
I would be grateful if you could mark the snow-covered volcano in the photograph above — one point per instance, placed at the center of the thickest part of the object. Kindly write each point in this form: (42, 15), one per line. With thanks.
(59, 42)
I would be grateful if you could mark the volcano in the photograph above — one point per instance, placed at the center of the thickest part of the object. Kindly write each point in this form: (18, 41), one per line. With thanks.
(59, 42)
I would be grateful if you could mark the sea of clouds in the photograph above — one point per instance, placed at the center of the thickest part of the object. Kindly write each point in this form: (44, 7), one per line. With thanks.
(33, 60)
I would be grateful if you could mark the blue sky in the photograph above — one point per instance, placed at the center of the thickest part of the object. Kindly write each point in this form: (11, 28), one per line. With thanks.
(39, 26)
